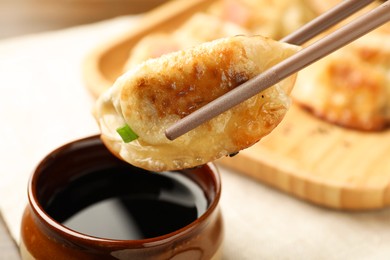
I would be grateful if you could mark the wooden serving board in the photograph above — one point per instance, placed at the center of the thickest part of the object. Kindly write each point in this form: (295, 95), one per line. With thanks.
(321, 163)
(304, 156)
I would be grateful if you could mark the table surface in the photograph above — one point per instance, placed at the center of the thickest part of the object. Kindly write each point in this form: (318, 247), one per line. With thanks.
(43, 87)
(8, 247)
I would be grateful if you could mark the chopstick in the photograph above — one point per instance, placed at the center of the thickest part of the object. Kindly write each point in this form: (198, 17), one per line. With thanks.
(308, 55)
(325, 21)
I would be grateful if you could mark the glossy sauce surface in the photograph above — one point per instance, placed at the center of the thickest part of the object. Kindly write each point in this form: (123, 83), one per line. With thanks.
(127, 203)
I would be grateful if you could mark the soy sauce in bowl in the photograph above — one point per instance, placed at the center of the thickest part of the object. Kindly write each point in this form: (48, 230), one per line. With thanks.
(126, 202)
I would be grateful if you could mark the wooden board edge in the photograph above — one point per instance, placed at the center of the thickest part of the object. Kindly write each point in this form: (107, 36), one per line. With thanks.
(285, 177)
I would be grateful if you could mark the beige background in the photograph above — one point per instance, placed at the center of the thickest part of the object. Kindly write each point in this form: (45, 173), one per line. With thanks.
(30, 16)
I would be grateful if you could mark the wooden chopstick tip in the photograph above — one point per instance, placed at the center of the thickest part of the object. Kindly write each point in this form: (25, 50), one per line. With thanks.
(168, 135)
(175, 131)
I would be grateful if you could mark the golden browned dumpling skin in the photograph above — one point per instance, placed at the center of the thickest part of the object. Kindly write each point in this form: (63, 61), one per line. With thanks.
(157, 93)
(351, 87)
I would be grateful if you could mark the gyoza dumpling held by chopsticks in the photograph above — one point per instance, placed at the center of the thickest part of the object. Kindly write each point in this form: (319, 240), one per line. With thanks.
(134, 113)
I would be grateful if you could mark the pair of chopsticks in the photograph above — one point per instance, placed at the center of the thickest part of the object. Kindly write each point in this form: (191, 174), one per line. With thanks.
(308, 55)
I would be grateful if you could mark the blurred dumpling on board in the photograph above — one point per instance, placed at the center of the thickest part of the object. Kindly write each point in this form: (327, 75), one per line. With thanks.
(270, 18)
(351, 87)
(199, 28)
(321, 6)
(273, 19)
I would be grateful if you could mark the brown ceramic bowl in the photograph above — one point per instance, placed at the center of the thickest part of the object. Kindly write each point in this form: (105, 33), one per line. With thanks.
(42, 237)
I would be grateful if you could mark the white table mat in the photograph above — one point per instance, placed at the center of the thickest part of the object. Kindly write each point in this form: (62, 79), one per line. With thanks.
(44, 104)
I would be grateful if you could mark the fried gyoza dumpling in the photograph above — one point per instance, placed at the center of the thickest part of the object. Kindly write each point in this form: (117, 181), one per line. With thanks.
(155, 94)
(351, 87)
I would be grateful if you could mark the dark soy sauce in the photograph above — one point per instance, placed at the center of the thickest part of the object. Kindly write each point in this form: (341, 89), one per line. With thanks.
(127, 203)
